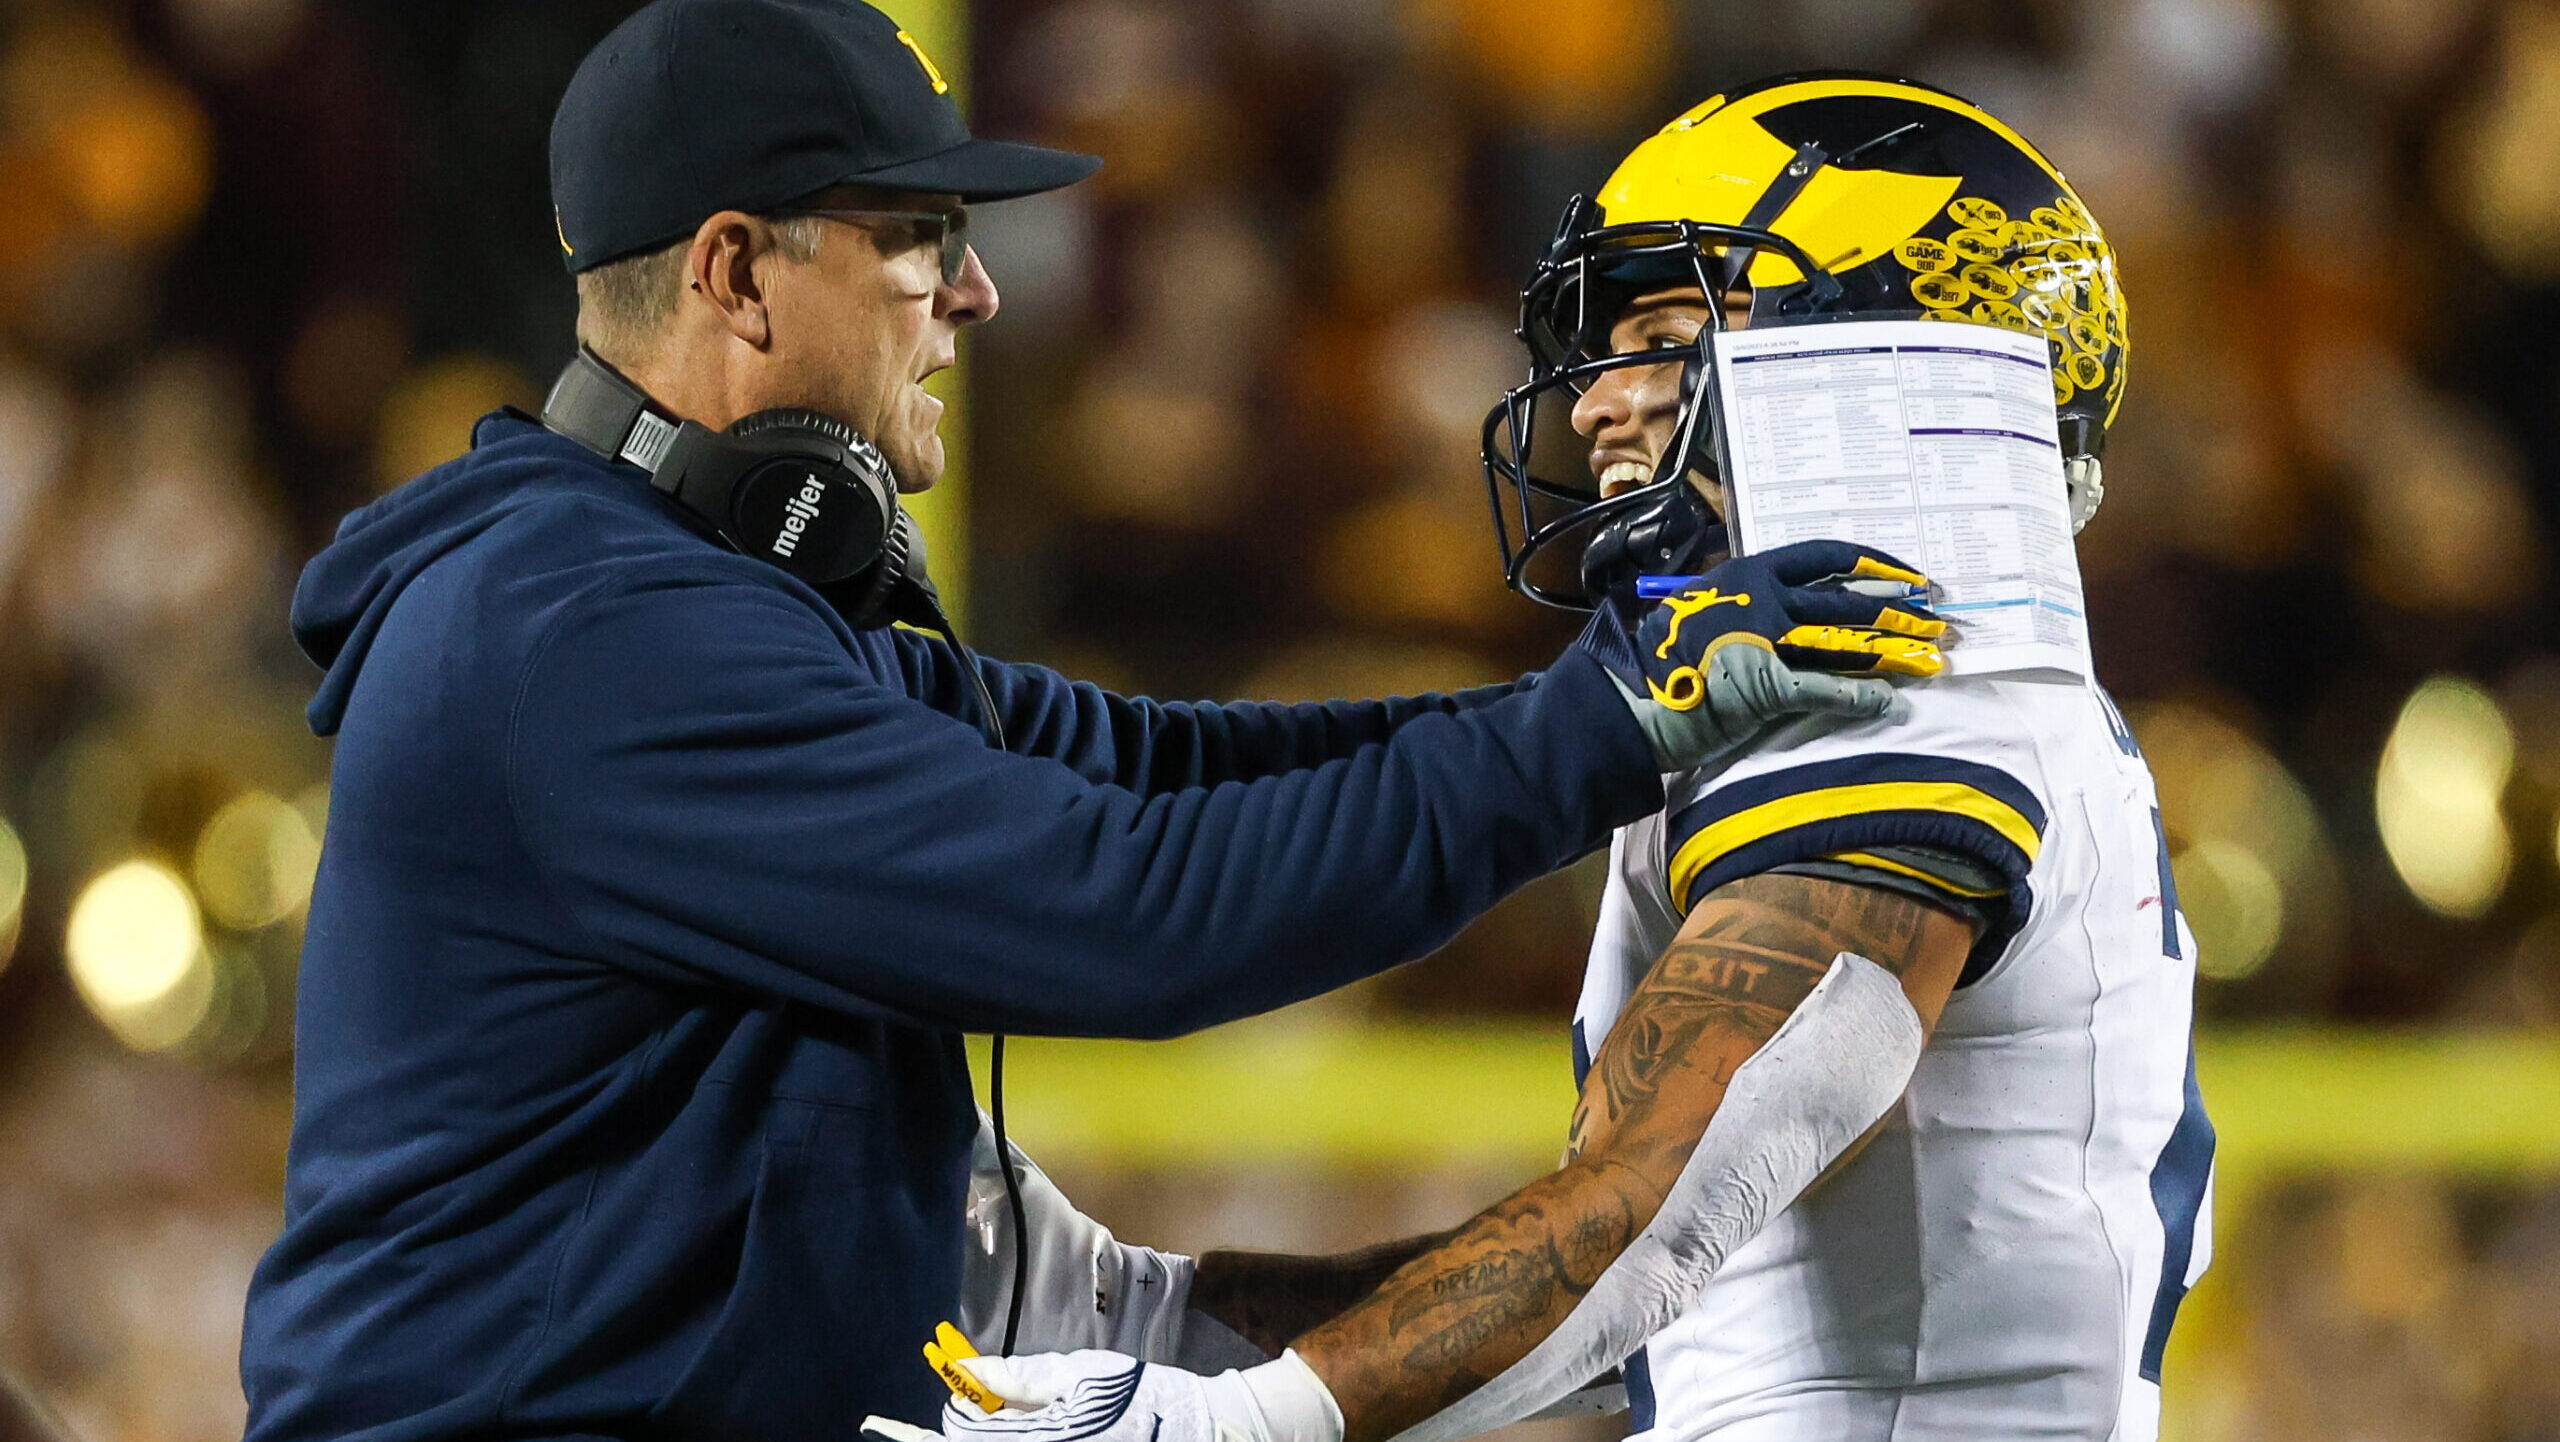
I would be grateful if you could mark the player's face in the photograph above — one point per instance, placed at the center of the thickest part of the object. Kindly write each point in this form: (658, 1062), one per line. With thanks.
(1630, 414)
(868, 319)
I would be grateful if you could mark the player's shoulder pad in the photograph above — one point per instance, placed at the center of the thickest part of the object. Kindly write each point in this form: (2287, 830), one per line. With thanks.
(1949, 775)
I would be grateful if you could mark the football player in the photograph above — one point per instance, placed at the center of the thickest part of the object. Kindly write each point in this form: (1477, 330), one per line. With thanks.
(1960, 928)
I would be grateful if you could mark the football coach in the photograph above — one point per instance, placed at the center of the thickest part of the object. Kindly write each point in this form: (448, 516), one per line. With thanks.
(663, 877)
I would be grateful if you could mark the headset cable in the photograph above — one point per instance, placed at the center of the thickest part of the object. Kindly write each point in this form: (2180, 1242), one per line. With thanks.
(991, 726)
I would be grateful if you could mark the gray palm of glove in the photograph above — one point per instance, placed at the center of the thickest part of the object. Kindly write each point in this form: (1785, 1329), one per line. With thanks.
(1748, 689)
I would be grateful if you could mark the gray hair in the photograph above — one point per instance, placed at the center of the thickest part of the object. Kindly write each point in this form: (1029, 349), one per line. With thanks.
(624, 305)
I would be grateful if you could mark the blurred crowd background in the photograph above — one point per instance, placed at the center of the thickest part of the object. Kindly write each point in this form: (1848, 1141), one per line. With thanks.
(261, 260)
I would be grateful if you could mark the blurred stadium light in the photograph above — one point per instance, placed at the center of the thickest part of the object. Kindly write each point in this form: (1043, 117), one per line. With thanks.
(254, 862)
(2257, 876)
(13, 889)
(136, 949)
(2437, 796)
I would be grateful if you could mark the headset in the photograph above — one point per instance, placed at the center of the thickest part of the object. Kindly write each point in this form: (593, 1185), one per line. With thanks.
(812, 496)
(792, 487)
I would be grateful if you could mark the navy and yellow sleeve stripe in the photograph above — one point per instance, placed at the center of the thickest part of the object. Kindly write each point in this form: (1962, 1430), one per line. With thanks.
(1939, 877)
(1846, 809)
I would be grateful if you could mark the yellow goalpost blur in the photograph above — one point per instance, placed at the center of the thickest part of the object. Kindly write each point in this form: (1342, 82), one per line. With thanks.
(939, 29)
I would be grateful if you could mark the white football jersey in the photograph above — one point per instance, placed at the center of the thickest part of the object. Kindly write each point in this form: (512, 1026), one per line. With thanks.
(2006, 1257)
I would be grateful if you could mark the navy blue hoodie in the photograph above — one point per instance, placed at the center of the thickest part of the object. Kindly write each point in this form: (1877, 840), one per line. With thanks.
(630, 1096)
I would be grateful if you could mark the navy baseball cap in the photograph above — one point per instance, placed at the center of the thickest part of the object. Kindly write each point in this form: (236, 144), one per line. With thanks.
(691, 107)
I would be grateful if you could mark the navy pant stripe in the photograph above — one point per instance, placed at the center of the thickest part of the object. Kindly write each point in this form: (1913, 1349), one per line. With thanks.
(2177, 1190)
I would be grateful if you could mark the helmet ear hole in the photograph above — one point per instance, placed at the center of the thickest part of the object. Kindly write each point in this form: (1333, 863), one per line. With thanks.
(2084, 482)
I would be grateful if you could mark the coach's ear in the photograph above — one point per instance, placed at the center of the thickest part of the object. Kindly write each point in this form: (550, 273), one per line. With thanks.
(729, 269)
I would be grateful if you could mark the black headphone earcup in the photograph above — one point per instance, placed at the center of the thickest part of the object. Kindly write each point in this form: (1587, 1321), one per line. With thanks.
(795, 419)
(823, 512)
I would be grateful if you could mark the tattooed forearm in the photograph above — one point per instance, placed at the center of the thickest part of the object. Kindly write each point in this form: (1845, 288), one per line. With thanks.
(1448, 1321)
(1456, 1316)
(1268, 1298)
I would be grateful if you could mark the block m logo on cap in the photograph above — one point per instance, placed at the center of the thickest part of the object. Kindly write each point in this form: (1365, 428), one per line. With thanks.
(940, 85)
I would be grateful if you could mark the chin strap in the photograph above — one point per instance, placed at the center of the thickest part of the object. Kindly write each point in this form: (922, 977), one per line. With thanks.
(1677, 534)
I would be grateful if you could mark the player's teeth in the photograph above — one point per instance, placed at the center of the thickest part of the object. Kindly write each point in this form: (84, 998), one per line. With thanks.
(1626, 473)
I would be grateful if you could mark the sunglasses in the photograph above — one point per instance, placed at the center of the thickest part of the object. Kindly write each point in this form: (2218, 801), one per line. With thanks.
(949, 230)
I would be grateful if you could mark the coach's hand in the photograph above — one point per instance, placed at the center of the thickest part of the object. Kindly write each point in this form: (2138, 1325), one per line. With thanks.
(1106, 1397)
(1806, 629)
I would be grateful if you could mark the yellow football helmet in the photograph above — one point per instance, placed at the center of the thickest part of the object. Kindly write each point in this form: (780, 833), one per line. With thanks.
(1827, 194)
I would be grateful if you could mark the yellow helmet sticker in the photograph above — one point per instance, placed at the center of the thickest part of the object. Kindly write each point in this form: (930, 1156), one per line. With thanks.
(1989, 282)
(2044, 275)
(1939, 291)
(1977, 246)
(2042, 311)
(2001, 314)
(2063, 389)
(1974, 213)
(2052, 220)
(2020, 235)
(2088, 372)
(2088, 333)
(1922, 253)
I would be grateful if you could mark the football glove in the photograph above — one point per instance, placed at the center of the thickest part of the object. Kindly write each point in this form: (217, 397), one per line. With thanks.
(1807, 629)
(1106, 1397)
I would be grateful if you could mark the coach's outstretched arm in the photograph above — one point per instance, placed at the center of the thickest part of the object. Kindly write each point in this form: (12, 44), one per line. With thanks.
(1730, 672)
(1155, 747)
(1456, 1317)
(698, 779)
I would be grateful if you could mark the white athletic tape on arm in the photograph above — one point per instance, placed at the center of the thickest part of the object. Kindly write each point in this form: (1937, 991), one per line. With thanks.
(1839, 1063)
(1295, 1404)
(1600, 1399)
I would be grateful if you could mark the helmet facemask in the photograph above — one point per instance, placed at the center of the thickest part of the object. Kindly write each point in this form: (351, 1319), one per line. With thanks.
(1562, 542)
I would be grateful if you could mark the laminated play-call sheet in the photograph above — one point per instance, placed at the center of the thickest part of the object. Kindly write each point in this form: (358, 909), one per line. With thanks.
(1932, 440)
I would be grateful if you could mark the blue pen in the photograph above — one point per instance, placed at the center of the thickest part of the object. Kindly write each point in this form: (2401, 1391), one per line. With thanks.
(1654, 588)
